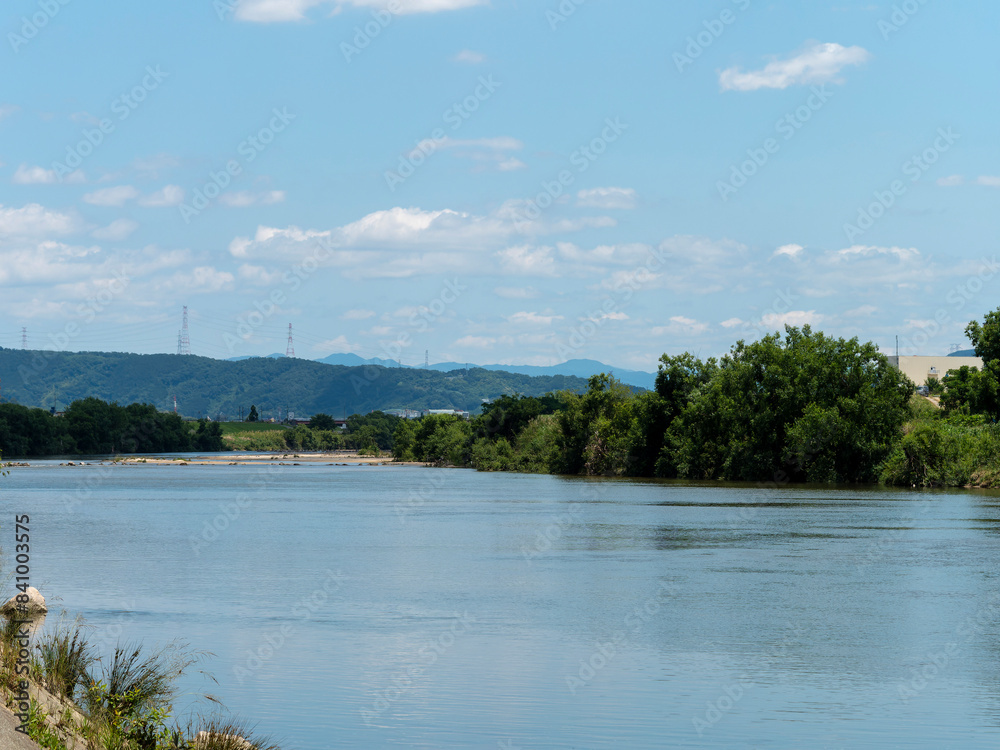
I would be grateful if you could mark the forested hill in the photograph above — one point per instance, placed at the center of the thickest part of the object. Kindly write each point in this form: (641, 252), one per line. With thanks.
(206, 386)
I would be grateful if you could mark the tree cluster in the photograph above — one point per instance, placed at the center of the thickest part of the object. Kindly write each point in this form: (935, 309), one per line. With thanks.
(803, 407)
(94, 427)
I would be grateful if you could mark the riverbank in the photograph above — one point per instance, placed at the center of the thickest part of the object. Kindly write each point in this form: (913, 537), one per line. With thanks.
(330, 458)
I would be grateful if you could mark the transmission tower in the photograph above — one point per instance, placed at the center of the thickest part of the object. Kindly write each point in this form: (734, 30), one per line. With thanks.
(183, 339)
(290, 349)
(24, 338)
(427, 359)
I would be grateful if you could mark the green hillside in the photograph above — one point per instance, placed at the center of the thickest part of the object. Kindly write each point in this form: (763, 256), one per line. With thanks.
(206, 386)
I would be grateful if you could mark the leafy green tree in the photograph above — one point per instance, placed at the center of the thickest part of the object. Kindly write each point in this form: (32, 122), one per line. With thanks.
(404, 441)
(252, 416)
(322, 422)
(209, 436)
(593, 437)
(373, 430)
(971, 391)
(985, 338)
(804, 408)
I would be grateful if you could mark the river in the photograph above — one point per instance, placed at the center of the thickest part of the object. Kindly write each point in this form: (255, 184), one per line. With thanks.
(381, 607)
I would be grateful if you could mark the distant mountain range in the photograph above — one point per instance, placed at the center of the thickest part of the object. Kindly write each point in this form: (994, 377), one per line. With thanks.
(204, 386)
(964, 353)
(577, 368)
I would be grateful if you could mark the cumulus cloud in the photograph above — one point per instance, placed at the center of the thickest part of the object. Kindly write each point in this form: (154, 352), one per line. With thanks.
(952, 181)
(901, 253)
(469, 57)
(358, 315)
(34, 220)
(681, 326)
(516, 292)
(277, 11)
(607, 198)
(167, 196)
(244, 198)
(533, 319)
(112, 196)
(818, 63)
(797, 318)
(790, 251)
(988, 181)
(117, 230)
(527, 261)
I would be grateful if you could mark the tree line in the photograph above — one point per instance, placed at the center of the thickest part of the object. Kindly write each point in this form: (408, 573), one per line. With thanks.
(804, 407)
(91, 426)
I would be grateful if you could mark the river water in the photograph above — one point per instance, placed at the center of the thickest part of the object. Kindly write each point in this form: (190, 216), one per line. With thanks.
(381, 607)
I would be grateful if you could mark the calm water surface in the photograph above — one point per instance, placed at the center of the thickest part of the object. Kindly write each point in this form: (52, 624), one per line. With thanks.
(352, 607)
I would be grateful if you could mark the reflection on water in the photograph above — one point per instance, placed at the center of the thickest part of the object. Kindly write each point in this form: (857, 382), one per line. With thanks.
(539, 612)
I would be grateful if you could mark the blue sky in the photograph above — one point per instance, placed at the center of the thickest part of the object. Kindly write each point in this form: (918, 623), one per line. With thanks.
(514, 181)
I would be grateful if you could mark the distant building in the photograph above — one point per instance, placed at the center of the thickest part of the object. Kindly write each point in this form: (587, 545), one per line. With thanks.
(921, 369)
(445, 412)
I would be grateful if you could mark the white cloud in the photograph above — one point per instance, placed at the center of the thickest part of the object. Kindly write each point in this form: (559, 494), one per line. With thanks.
(339, 345)
(168, 195)
(476, 342)
(732, 323)
(953, 181)
(6, 110)
(819, 63)
(243, 198)
(791, 251)
(117, 230)
(259, 275)
(516, 292)
(681, 326)
(34, 220)
(358, 315)
(469, 57)
(865, 311)
(988, 181)
(527, 260)
(797, 318)
(902, 253)
(533, 319)
(607, 197)
(113, 196)
(26, 175)
(276, 11)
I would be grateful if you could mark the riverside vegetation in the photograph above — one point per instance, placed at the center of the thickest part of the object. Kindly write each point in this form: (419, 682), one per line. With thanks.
(117, 701)
(804, 407)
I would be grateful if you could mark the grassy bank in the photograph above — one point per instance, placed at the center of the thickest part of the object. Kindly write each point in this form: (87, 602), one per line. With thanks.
(77, 699)
(944, 450)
